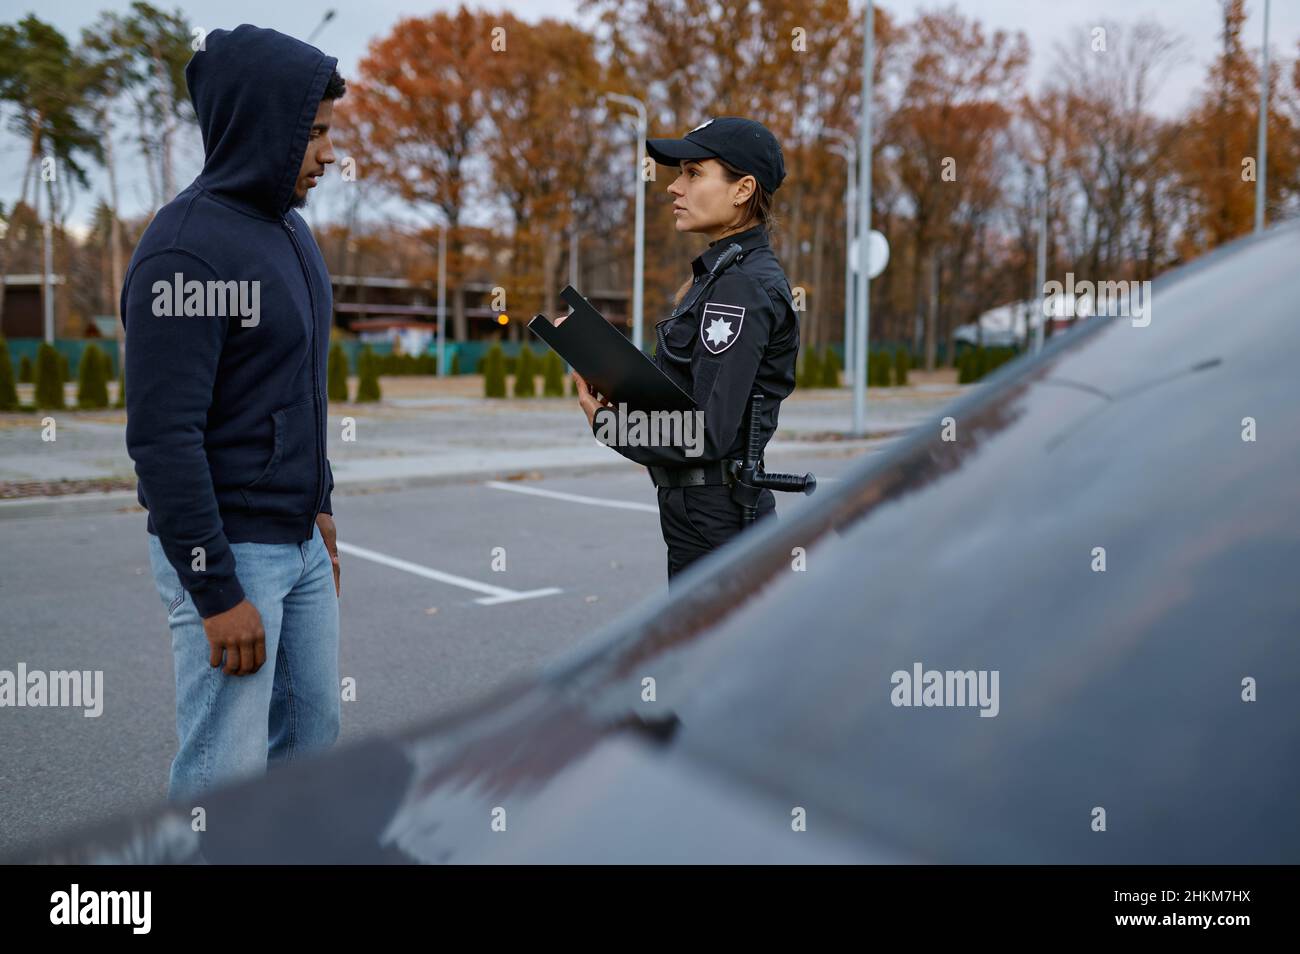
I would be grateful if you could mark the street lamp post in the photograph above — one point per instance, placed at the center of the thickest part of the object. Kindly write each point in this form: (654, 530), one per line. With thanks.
(47, 260)
(638, 255)
(1041, 270)
(1261, 173)
(442, 301)
(848, 150)
(864, 228)
(329, 15)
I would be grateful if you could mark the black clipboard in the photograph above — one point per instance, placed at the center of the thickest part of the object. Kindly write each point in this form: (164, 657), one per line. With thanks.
(610, 363)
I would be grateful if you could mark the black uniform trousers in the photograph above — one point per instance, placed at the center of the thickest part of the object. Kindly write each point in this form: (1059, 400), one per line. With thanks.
(697, 520)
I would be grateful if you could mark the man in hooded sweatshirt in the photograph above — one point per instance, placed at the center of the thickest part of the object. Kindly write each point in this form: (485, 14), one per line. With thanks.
(227, 305)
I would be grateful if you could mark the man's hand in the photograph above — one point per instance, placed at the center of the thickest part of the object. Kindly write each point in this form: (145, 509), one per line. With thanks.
(239, 635)
(330, 535)
(588, 401)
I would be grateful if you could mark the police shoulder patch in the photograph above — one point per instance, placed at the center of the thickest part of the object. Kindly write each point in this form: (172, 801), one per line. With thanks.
(720, 325)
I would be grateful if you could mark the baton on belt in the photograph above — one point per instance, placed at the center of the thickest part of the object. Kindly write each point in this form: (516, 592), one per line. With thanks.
(751, 481)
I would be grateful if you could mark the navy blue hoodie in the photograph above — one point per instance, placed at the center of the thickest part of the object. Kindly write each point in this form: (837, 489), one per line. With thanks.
(226, 412)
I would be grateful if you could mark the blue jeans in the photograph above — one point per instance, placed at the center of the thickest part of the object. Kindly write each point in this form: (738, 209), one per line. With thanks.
(229, 727)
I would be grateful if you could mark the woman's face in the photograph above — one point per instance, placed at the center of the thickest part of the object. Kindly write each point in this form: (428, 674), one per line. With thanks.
(703, 199)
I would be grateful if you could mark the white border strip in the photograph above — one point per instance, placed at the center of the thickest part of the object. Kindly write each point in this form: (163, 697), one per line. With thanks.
(495, 594)
(574, 498)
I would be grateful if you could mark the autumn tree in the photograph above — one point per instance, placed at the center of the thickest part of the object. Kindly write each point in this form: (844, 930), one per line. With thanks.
(45, 84)
(414, 117)
(949, 123)
(1217, 162)
(543, 146)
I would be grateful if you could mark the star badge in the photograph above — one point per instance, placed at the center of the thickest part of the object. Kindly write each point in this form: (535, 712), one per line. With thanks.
(721, 324)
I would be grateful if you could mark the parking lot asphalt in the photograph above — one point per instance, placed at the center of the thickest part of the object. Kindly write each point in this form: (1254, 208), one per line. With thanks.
(448, 591)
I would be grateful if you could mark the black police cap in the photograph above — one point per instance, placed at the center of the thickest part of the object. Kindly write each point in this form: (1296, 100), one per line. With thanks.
(744, 144)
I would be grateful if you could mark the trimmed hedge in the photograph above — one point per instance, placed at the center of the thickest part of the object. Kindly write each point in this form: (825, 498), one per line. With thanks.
(8, 390)
(808, 373)
(337, 375)
(92, 379)
(49, 378)
(879, 366)
(494, 372)
(974, 363)
(552, 375)
(830, 368)
(368, 386)
(902, 365)
(525, 373)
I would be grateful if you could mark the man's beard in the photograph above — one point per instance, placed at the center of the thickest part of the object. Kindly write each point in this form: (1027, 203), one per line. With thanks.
(298, 201)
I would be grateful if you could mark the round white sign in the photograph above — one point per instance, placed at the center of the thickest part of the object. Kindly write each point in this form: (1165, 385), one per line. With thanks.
(877, 253)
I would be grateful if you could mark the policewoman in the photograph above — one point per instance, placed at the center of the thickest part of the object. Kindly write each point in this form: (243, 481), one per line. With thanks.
(733, 330)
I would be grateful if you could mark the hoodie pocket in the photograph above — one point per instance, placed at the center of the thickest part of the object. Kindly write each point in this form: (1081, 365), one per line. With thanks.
(288, 484)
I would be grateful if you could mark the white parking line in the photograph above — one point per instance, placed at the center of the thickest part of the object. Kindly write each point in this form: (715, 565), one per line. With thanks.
(495, 594)
(574, 498)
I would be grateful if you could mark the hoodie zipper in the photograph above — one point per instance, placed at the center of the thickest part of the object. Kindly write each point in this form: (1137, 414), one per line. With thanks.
(315, 385)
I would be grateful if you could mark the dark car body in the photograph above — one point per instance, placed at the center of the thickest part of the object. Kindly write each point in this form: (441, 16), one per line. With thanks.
(1120, 690)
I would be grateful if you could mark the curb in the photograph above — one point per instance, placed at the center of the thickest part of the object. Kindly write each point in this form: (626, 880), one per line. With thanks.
(68, 504)
(124, 501)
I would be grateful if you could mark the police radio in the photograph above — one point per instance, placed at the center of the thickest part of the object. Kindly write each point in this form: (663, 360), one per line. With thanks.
(725, 259)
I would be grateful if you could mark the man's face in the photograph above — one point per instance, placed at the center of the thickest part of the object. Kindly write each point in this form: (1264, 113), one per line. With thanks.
(320, 153)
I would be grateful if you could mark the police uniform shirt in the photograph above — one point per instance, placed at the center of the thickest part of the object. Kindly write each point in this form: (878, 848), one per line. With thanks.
(736, 335)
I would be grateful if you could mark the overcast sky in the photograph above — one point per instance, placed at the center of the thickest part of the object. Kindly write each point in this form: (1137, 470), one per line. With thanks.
(1043, 21)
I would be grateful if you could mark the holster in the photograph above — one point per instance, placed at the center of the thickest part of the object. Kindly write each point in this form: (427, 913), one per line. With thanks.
(743, 491)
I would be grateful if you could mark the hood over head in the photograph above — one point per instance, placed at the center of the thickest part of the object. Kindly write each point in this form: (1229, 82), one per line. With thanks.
(255, 93)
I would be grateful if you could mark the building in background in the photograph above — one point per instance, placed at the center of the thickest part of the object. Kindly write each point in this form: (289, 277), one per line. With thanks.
(397, 309)
(24, 314)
